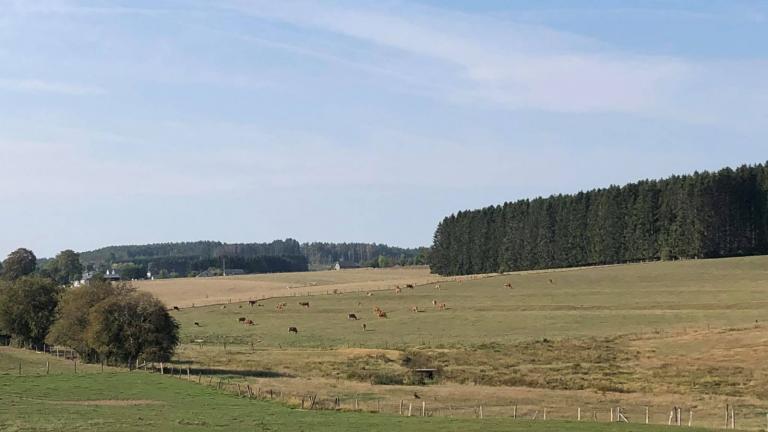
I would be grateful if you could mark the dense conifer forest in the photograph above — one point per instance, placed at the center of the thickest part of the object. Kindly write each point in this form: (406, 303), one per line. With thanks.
(703, 215)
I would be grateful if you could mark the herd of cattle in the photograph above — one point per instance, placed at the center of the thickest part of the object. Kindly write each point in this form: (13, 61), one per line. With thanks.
(377, 311)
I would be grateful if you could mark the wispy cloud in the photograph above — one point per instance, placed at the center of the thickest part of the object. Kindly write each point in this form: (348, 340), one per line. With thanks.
(43, 86)
(515, 65)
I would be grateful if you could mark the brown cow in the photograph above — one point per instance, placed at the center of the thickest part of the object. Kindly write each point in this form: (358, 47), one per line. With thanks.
(442, 306)
(381, 314)
(252, 302)
(508, 285)
(176, 308)
(241, 319)
(249, 322)
(434, 303)
(410, 286)
(293, 330)
(365, 327)
(305, 304)
(398, 290)
(352, 317)
(415, 309)
(197, 324)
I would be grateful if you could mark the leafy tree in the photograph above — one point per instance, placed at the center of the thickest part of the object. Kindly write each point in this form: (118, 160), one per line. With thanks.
(27, 308)
(130, 271)
(73, 314)
(130, 326)
(66, 267)
(19, 263)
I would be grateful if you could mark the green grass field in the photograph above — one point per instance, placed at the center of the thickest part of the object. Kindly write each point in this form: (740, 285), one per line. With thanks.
(138, 401)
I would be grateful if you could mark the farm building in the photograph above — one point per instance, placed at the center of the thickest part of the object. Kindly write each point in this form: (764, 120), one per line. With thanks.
(109, 275)
(341, 265)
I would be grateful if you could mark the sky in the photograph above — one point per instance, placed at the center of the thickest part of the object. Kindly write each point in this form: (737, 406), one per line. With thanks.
(129, 122)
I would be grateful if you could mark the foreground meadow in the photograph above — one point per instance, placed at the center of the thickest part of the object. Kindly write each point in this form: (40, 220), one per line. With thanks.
(124, 401)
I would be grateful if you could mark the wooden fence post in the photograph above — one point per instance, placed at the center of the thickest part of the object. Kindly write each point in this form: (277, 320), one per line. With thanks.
(690, 417)
(423, 409)
(410, 408)
(47, 367)
(578, 414)
(481, 412)
(401, 407)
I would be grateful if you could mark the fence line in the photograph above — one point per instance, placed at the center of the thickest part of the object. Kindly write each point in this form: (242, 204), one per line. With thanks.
(677, 415)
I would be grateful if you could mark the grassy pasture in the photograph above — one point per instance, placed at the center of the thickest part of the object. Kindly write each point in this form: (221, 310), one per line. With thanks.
(185, 292)
(136, 401)
(597, 302)
(659, 334)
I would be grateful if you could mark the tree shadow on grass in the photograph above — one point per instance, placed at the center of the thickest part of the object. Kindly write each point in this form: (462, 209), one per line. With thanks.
(223, 373)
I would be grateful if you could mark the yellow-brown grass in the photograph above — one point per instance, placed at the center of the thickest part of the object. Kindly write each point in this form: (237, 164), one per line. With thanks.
(185, 292)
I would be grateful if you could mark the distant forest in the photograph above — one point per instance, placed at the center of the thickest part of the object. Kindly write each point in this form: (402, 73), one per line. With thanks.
(365, 254)
(192, 258)
(704, 215)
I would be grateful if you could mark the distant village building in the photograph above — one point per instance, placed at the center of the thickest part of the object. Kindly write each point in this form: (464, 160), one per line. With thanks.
(109, 275)
(343, 265)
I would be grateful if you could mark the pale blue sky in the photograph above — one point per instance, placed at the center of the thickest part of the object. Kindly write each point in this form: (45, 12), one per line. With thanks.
(238, 120)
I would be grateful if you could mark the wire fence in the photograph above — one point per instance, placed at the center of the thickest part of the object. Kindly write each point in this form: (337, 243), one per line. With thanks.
(730, 416)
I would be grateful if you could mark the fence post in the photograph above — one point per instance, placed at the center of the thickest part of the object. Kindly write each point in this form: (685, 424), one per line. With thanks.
(514, 412)
(578, 414)
(481, 413)
(47, 367)
(410, 408)
(401, 407)
(423, 408)
(646, 415)
(19, 367)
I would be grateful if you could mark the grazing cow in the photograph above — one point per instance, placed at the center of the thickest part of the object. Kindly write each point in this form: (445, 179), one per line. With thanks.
(437, 286)
(398, 290)
(293, 330)
(176, 308)
(365, 328)
(381, 314)
(223, 307)
(434, 303)
(252, 302)
(442, 306)
(370, 294)
(410, 286)
(249, 322)
(508, 285)
(415, 309)
(335, 291)
(352, 317)
(197, 324)
(305, 304)
(551, 282)
(241, 319)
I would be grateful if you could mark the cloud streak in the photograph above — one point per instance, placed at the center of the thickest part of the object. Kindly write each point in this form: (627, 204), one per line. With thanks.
(44, 86)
